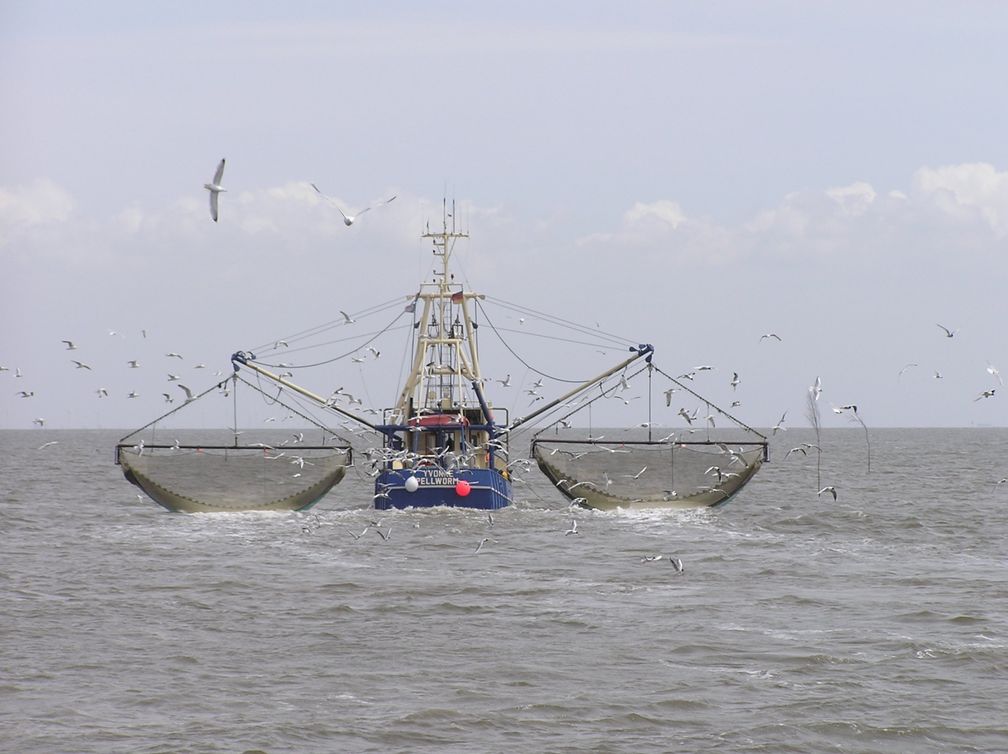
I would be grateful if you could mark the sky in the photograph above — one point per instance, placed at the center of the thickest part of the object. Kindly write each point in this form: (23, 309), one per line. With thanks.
(690, 175)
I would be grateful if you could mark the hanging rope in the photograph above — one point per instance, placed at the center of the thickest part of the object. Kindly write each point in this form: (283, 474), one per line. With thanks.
(365, 344)
(515, 353)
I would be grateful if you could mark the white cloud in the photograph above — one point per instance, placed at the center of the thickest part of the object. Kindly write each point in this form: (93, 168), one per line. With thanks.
(854, 199)
(963, 191)
(958, 204)
(25, 207)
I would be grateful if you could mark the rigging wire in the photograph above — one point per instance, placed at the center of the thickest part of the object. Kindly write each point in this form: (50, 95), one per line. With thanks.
(314, 330)
(560, 320)
(515, 354)
(336, 358)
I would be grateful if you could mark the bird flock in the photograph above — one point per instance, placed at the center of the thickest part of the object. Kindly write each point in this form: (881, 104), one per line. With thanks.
(96, 376)
(382, 532)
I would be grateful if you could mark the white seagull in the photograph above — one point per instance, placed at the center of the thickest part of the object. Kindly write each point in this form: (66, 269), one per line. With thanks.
(948, 333)
(80, 364)
(70, 345)
(830, 489)
(215, 188)
(187, 391)
(349, 220)
(573, 528)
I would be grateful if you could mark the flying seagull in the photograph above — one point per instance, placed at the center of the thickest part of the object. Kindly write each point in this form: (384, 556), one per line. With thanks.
(215, 188)
(349, 220)
(830, 489)
(985, 394)
(769, 335)
(70, 345)
(948, 333)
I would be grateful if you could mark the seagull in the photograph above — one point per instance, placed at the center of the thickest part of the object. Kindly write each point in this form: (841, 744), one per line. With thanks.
(687, 416)
(80, 364)
(816, 389)
(167, 398)
(734, 380)
(796, 450)
(133, 364)
(70, 345)
(668, 395)
(769, 335)
(482, 542)
(384, 534)
(215, 188)
(187, 391)
(676, 563)
(102, 392)
(948, 333)
(374, 351)
(358, 536)
(348, 320)
(506, 382)
(133, 394)
(26, 393)
(173, 355)
(985, 394)
(912, 364)
(650, 558)
(47, 444)
(993, 370)
(40, 421)
(573, 529)
(830, 489)
(349, 220)
(780, 425)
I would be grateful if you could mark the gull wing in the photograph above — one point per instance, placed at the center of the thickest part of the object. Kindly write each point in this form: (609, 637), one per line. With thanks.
(213, 205)
(219, 173)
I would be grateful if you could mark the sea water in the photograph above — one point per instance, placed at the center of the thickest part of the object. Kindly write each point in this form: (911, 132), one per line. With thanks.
(877, 622)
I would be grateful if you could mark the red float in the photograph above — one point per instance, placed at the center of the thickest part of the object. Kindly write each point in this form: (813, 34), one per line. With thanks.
(462, 488)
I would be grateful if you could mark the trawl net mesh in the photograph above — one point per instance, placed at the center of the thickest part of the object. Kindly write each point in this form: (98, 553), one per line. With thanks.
(233, 479)
(647, 474)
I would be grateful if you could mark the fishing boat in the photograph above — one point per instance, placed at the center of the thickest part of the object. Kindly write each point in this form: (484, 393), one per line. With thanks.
(444, 442)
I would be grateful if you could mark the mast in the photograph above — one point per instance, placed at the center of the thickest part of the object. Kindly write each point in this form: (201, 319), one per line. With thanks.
(446, 357)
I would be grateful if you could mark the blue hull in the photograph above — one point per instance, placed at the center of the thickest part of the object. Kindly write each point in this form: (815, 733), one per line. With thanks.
(488, 490)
